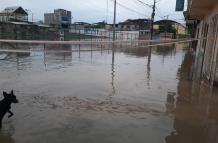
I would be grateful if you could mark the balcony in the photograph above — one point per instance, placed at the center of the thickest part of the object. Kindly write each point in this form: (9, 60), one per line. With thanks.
(198, 9)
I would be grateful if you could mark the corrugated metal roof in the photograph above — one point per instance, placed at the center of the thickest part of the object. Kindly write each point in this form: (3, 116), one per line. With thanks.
(25, 23)
(43, 25)
(20, 23)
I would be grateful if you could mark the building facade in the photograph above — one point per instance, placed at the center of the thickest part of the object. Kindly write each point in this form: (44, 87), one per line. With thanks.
(135, 25)
(171, 27)
(204, 17)
(17, 14)
(60, 18)
(25, 31)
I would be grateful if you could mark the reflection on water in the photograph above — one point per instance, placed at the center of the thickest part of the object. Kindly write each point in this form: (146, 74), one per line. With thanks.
(149, 67)
(195, 112)
(6, 139)
(113, 73)
(6, 135)
(138, 94)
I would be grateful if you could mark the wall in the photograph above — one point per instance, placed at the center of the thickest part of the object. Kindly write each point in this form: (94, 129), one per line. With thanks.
(13, 17)
(207, 47)
(24, 32)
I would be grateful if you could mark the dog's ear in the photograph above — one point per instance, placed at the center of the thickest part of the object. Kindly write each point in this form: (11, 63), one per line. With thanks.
(12, 92)
(5, 94)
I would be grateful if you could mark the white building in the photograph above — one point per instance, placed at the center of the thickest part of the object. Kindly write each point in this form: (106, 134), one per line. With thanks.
(14, 14)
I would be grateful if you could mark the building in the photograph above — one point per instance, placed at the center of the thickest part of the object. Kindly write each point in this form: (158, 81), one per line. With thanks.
(99, 25)
(60, 18)
(16, 13)
(110, 26)
(25, 31)
(80, 25)
(169, 26)
(130, 25)
(203, 15)
(135, 25)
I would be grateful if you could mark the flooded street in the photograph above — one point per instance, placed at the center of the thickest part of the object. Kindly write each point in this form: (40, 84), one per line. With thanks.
(91, 96)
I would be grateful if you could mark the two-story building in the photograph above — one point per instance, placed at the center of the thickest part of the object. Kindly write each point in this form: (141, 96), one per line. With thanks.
(204, 17)
(16, 13)
(135, 25)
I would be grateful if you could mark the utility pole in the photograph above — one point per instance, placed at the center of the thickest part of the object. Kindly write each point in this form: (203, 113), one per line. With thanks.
(165, 25)
(151, 38)
(152, 19)
(115, 14)
(114, 36)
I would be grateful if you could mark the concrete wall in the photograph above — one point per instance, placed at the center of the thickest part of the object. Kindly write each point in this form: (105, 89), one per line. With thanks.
(48, 18)
(24, 32)
(207, 49)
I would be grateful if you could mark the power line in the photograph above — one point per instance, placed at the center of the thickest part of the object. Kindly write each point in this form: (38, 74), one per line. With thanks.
(151, 7)
(125, 7)
(138, 5)
(145, 4)
(132, 10)
(110, 14)
(159, 15)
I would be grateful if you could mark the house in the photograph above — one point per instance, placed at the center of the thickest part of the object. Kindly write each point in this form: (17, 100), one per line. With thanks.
(80, 25)
(61, 18)
(128, 25)
(135, 25)
(100, 25)
(24, 30)
(202, 18)
(169, 26)
(111, 27)
(16, 13)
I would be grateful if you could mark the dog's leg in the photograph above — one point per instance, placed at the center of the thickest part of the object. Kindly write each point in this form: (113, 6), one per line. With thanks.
(11, 114)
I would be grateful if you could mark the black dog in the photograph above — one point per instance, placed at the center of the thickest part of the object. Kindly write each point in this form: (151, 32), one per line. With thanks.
(5, 105)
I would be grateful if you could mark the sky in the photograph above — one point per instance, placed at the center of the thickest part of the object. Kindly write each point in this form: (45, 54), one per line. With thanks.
(92, 11)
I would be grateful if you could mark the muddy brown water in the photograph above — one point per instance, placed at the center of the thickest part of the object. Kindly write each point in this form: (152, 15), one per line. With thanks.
(93, 97)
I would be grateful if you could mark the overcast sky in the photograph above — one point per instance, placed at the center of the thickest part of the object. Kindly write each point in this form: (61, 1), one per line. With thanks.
(97, 10)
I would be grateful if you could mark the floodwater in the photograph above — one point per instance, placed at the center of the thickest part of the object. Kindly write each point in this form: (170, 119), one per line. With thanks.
(138, 95)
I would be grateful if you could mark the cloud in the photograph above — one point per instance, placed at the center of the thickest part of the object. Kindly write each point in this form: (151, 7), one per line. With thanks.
(95, 10)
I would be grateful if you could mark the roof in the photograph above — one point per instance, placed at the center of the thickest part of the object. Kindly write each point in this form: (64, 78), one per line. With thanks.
(60, 9)
(81, 23)
(20, 23)
(167, 21)
(43, 25)
(134, 21)
(198, 9)
(31, 24)
(14, 9)
(10, 9)
(138, 20)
